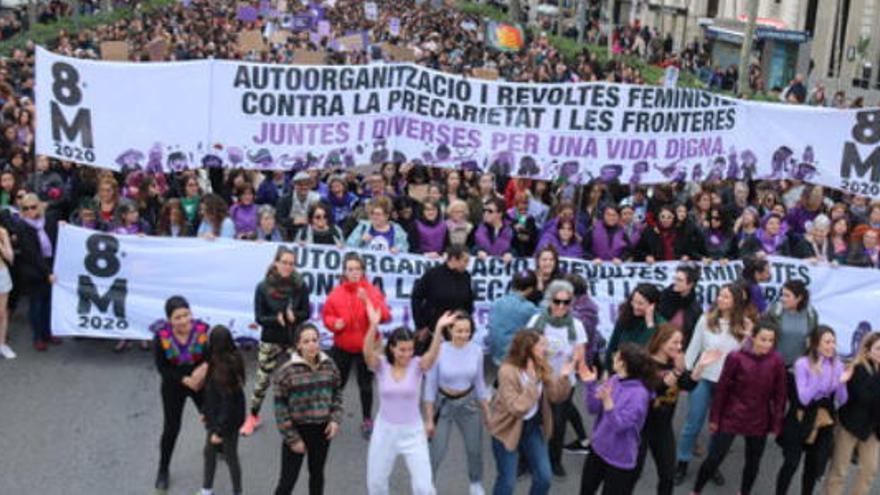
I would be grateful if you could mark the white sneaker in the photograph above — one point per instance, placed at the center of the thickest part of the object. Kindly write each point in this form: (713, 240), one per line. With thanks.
(477, 489)
(7, 352)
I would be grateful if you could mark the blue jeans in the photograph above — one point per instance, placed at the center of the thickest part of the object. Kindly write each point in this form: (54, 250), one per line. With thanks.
(532, 444)
(39, 307)
(698, 408)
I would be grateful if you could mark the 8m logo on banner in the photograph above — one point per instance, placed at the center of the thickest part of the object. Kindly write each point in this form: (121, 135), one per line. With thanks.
(102, 261)
(865, 132)
(78, 144)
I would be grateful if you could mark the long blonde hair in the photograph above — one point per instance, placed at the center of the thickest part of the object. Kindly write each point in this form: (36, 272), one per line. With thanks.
(864, 349)
(737, 313)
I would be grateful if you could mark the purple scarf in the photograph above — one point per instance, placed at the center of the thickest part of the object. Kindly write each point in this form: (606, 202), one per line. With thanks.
(40, 226)
(769, 244)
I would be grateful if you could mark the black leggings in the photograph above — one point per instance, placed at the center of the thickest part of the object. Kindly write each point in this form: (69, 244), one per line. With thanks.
(317, 445)
(344, 361)
(563, 413)
(719, 446)
(613, 480)
(229, 447)
(173, 399)
(660, 438)
(815, 460)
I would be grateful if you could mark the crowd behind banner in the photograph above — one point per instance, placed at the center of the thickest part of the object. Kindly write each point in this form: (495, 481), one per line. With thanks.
(297, 117)
(124, 304)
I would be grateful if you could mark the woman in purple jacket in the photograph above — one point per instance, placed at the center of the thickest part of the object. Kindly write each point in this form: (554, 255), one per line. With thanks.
(607, 240)
(430, 231)
(621, 406)
(749, 400)
(493, 237)
(564, 238)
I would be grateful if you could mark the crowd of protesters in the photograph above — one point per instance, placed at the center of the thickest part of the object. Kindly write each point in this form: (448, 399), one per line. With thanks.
(750, 372)
(753, 367)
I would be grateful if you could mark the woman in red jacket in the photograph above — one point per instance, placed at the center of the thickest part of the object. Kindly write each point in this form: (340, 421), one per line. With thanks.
(749, 400)
(345, 315)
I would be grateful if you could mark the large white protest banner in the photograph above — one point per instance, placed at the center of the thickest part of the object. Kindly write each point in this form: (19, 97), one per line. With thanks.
(115, 286)
(171, 116)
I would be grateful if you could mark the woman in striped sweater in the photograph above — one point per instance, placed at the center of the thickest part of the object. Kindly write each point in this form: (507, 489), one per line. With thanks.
(308, 410)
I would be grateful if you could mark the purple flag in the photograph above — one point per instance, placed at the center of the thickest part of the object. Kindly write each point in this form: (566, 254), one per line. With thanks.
(246, 13)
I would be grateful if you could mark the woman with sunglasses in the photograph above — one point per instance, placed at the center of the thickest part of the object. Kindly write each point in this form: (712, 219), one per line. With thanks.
(320, 229)
(719, 238)
(281, 303)
(669, 239)
(566, 339)
(34, 277)
(493, 237)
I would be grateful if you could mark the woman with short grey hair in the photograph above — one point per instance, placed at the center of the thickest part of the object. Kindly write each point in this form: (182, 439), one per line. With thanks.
(566, 339)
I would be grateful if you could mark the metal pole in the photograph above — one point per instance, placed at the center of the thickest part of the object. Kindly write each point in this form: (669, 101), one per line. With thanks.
(745, 55)
(580, 20)
(610, 20)
(837, 43)
(662, 14)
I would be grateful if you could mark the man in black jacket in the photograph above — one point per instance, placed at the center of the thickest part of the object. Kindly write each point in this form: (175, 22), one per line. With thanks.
(445, 287)
(679, 303)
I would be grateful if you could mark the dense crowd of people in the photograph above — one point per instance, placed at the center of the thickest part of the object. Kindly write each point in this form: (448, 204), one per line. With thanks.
(752, 367)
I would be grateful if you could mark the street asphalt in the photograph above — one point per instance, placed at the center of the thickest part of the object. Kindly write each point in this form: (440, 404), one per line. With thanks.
(80, 419)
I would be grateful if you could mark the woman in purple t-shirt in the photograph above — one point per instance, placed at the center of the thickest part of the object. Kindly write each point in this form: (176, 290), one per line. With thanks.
(398, 429)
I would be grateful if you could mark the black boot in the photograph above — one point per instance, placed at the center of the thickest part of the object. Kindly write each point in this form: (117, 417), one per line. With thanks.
(162, 480)
(681, 471)
(718, 478)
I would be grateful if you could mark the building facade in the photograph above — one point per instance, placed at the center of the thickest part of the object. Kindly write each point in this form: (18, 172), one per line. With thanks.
(846, 52)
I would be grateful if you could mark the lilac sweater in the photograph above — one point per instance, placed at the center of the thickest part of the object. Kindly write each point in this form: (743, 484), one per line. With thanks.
(811, 386)
(617, 433)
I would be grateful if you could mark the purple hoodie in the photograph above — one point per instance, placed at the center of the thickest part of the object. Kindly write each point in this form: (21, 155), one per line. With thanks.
(431, 237)
(244, 217)
(573, 250)
(493, 245)
(606, 248)
(617, 433)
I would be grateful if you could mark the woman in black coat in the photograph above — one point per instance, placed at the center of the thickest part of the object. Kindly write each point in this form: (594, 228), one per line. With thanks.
(281, 303)
(670, 239)
(34, 277)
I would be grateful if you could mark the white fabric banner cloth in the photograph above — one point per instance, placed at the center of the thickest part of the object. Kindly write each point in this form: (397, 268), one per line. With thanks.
(114, 287)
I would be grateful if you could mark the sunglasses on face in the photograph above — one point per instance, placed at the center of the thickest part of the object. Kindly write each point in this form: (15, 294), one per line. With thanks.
(562, 302)
(28, 207)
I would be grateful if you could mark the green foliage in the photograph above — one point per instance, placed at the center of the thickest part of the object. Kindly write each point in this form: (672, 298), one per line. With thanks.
(42, 34)
(481, 10)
